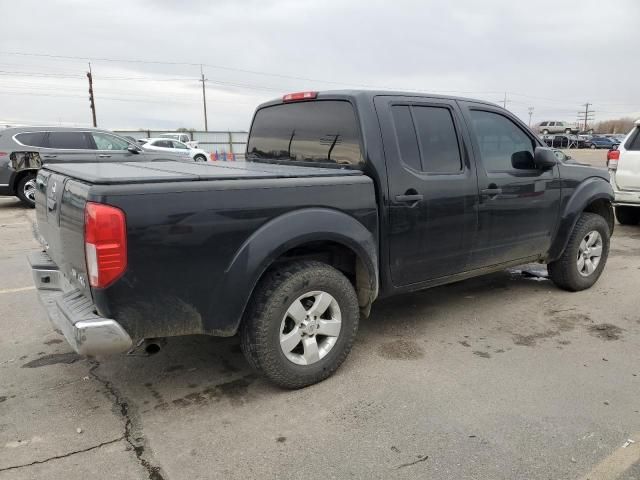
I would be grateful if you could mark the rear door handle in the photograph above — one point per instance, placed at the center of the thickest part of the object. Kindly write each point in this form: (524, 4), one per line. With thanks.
(49, 155)
(491, 191)
(104, 155)
(409, 198)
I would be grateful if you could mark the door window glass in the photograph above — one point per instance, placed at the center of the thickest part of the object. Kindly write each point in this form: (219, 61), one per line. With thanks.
(503, 145)
(406, 136)
(437, 139)
(179, 145)
(69, 140)
(104, 141)
(32, 139)
(163, 144)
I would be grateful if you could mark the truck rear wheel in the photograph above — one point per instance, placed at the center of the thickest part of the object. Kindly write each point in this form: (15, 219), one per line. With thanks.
(300, 324)
(585, 256)
(628, 215)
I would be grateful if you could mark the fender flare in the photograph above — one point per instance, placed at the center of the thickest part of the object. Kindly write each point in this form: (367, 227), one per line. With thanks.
(296, 228)
(590, 190)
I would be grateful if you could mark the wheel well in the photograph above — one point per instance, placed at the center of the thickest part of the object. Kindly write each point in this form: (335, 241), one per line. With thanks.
(603, 208)
(19, 176)
(341, 258)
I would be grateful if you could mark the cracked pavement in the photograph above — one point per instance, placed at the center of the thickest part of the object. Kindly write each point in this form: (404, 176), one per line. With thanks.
(500, 377)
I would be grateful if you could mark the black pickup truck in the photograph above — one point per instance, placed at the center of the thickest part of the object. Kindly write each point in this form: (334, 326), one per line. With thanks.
(345, 197)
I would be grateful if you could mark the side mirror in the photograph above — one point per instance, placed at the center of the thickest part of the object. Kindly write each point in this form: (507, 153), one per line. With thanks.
(544, 158)
(133, 149)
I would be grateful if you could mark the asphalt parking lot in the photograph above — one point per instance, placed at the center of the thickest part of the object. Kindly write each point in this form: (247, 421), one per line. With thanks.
(500, 377)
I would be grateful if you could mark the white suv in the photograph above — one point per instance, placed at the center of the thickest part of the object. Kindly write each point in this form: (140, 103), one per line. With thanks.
(624, 168)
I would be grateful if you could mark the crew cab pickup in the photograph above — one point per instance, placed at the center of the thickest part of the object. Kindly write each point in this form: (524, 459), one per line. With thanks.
(346, 197)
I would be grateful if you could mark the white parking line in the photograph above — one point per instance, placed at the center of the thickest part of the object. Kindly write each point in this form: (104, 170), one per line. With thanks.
(617, 463)
(14, 290)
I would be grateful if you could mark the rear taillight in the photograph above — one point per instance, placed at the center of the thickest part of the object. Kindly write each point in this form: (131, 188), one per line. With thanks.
(3, 154)
(105, 243)
(296, 97)
(612, 159)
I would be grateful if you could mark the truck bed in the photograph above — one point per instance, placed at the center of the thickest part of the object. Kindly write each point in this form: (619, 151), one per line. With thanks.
(170, 171)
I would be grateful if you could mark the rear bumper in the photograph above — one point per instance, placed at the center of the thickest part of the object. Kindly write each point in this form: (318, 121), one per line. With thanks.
(74, 314)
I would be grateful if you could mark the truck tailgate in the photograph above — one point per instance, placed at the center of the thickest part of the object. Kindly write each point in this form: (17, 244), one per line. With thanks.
(60, 215)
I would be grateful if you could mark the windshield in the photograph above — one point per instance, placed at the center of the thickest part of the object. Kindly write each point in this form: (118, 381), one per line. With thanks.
(320, 133)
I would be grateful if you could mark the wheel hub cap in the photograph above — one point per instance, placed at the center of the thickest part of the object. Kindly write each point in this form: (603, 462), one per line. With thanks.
(310, 328)
(589, 253)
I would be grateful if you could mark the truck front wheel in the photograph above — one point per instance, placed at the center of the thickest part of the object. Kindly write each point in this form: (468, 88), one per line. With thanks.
(584, 257)
(300, 324)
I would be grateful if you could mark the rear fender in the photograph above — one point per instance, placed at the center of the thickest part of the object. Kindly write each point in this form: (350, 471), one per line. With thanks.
(590, 190)
(280, 235)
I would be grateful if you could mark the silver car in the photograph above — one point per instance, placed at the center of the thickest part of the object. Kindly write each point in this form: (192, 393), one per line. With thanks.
(23, 150)
(546, 128)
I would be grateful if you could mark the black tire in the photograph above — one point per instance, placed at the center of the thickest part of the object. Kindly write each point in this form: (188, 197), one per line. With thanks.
(593, 146)
(567, 130)
(545, 132)
(276, 292)
(628, 215)
(199, 158)
(564, 271)
(21, 190)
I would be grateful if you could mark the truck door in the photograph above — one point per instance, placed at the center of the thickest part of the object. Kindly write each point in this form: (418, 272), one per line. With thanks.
(433, 192)
(519, 203)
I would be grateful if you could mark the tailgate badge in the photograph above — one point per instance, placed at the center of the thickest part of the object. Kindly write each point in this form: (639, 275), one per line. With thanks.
(53, 187)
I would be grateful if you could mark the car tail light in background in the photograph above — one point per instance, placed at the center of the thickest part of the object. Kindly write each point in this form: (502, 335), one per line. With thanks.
(3, 154)
(612, 159)
(295, 97)
(105, 243)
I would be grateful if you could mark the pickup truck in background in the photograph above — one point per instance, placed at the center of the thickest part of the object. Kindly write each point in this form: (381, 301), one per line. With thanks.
(346, 197)
(181, 137)
(624, 168)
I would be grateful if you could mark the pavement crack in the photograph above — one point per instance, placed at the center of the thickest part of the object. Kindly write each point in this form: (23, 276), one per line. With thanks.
(421, 459)
(133, 433)
(58, 457)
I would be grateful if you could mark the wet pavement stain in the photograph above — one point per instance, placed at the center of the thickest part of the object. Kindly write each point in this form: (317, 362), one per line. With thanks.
(606, 331)
(235, 391)
(401, 350)
(482, 354)
(464, 343)
(53, 341)
(53, 359)
(174, 368)
(281, 439)
(530, 340)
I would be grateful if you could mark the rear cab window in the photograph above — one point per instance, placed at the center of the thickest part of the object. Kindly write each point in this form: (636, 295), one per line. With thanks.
(319, 133)
(633, 143)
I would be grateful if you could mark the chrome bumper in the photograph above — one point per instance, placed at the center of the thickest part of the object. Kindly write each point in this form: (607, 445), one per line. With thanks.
(74, 314)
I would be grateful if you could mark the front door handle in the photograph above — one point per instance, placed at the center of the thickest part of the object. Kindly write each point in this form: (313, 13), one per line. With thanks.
(410, 198)
(104, 155)
(49, 155)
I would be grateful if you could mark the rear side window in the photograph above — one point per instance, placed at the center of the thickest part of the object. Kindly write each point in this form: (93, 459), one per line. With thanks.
(427, 138)
(323, 132)
(32, 139)
(163, 143)
(634, 141)
(104, 141)
(503, 145)
(69, 140)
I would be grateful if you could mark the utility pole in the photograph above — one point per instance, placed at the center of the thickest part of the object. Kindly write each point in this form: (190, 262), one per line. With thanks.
(586, 115)
(530, 115)
(204, 99)
(504, 103)
(91, 98)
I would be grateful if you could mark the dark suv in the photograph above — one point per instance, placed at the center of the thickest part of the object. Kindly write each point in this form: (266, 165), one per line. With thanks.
(23, 150)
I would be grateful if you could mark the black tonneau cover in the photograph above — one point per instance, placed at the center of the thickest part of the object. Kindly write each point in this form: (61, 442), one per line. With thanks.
(152, 172)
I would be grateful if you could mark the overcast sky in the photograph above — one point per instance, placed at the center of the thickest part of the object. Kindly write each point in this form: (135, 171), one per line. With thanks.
(550, 55)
